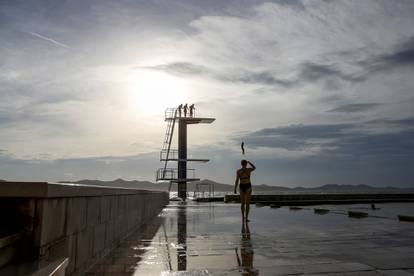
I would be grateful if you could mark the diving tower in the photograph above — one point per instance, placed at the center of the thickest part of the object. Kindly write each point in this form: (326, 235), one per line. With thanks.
(179, 174)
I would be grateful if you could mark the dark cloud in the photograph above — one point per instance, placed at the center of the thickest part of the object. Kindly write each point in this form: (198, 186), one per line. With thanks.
(182, 68)
(355, 107)
(306, 131)
(235, 76)
(401, 56)
(276, 141)
(385, 147)
(264, 78)
(405, 122)
(345, 155)
(311, 72)
(341, 139)
(298, 4)
(296, 137)
(307, 72)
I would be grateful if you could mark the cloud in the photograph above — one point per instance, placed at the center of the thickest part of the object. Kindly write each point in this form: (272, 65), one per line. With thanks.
(296, 137)
(379, 148)
(308, 72)
(51, 40)
(349, 108)
(35, 116)
(104, 168)
(344, 56)
(307, 131)
(311, 72)
(399, 57)
(402, 56)
(349, 141)
(232, 76)
(182, 68)
(404, 122)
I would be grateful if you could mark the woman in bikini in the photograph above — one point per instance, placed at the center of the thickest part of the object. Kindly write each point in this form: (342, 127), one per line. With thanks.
(243, 176)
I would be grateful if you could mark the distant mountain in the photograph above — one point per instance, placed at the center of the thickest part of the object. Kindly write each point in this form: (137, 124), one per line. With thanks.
(348, 188)
(220, 187)
(1, 180)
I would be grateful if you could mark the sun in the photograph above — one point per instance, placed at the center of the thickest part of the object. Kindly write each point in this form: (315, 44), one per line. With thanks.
(151, 92)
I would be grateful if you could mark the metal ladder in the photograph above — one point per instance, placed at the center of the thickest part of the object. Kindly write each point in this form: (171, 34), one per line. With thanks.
(167, 142)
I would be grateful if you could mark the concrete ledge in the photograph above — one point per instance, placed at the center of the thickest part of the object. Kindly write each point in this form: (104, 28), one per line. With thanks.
(46, 189)
(79, 222)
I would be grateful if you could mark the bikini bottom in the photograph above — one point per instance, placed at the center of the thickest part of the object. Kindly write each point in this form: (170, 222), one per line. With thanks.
(245, 187)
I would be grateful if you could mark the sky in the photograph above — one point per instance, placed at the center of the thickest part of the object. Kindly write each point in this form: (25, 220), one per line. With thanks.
(320, 91)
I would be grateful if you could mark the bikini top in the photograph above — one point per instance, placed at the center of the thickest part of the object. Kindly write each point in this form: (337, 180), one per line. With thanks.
(244, 177)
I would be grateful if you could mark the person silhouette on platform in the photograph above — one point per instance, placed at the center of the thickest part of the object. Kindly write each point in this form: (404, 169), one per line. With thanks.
(179, 110)
(192, 109)
(243, 176)
(185, 110)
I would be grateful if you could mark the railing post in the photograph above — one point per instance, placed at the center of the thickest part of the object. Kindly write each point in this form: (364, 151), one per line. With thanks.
(182, 156)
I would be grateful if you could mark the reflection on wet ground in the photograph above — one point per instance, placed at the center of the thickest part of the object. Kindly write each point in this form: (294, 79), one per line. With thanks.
(210, 239)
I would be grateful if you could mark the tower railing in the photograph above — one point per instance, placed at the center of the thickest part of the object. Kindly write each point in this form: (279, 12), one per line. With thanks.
(174, 113)
(170, 113)
(172, 154)
(171, 174)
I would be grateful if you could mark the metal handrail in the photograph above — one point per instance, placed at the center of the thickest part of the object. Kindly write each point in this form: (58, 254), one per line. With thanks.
(173, 113)
(172, 173)
(170, 113)
(170, 139)
(171, 154)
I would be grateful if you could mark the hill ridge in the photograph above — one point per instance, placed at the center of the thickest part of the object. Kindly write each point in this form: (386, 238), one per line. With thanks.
(148, 185)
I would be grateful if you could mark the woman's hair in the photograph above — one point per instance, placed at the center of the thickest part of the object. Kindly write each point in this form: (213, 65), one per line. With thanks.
(244, 163)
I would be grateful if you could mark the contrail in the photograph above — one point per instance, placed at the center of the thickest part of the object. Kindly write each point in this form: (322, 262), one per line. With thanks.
(49, 39)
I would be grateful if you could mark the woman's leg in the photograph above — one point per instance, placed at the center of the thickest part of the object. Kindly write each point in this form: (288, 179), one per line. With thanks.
(242, 202)
(248, 194)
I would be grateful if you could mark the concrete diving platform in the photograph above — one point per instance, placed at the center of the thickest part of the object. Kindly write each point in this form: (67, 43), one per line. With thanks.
(211, 239)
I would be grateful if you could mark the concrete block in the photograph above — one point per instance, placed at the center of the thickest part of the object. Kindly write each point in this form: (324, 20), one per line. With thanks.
(121, 206)
(105, 209)
(109, 234)
(123, 226)
(117, 230)
(76, 215)
(93, 210)
(133, 202)
(98, 239)
(141, 210)
(143, 207)
(114, 207)
(84, 249)
(53, 216)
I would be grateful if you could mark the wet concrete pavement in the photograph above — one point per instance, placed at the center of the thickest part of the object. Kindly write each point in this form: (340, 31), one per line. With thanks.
(210, 239)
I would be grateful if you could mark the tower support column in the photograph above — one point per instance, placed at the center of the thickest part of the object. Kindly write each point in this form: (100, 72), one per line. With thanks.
(182, 158)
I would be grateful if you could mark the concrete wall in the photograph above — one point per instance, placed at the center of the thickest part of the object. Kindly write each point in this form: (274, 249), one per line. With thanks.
(80, 222)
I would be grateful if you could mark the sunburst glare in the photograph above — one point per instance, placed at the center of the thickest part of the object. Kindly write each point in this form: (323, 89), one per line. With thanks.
(151, 92)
